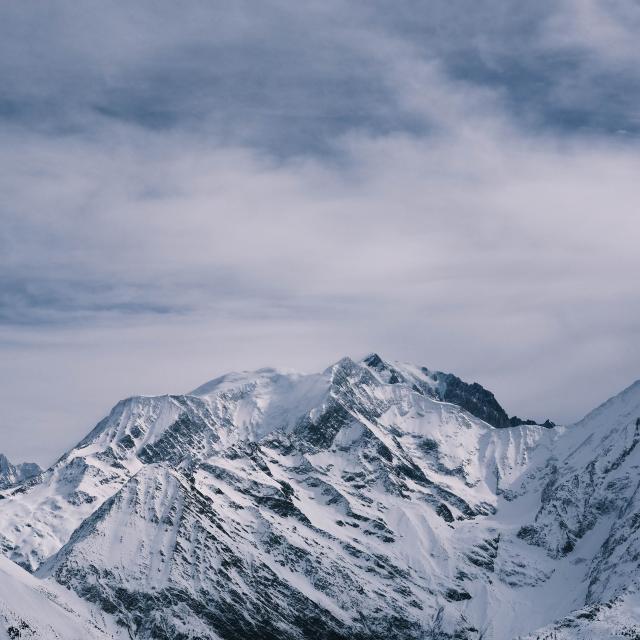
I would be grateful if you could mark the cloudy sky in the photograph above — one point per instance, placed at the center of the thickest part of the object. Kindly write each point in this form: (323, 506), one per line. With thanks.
(189, 188)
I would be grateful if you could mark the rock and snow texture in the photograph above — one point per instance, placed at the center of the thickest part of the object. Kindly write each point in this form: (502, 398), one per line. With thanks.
(373, 500)
(32, 608)
(11, 474)
(613, 620)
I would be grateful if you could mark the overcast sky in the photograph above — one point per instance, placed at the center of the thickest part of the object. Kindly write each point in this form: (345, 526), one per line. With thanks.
(194, 187)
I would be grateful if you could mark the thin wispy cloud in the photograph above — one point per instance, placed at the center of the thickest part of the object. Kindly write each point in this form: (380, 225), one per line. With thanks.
(188, 189)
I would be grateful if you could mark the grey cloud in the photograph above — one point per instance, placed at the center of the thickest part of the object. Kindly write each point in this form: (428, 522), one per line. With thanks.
(53, 300)
(292, 79)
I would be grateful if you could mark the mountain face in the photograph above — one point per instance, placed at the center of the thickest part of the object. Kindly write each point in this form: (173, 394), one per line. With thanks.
(13, 474)
(373, 500)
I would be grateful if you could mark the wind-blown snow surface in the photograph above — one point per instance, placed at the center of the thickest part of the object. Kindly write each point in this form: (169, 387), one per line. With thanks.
(355, 503)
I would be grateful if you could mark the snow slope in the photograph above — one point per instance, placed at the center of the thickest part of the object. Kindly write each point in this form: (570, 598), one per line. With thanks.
(32, 608)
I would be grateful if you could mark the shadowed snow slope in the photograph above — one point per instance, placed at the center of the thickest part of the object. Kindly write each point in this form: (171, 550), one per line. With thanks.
(32, 608)
(373, 500)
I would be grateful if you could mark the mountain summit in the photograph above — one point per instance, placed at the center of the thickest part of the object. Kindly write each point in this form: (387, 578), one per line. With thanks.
(372, 500)
(15, 473)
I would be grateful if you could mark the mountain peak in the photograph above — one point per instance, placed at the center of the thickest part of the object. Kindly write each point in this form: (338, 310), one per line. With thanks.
(626, 404)
(374, 360)
(11, 474)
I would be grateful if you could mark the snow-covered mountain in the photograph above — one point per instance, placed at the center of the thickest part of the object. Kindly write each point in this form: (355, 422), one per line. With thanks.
(15, 473)
(371, 500)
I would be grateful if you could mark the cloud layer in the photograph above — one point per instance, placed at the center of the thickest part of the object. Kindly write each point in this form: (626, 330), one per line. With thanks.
(229, 185)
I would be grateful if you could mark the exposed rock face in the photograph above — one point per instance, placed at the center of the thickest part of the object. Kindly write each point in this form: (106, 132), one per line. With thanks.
(359, 503)
(472, 397)
(514, 421)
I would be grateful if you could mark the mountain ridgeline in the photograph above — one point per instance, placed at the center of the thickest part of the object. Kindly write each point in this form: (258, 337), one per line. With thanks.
(473, 397)
(374, 500)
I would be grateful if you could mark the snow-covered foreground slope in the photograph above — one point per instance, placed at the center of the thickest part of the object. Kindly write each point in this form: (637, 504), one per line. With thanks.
(355, 503)
(32, 608)
(613, 620)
